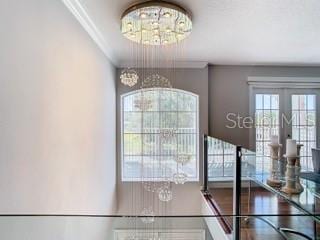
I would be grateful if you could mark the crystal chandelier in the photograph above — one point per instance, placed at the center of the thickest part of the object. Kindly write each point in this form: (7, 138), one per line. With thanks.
(183, 159)
(165, 194)
(150, 186)
(147, 215)
(156, 22)
(156, 81)
(167, 135)
(155, 28)
(129, 77)
(180, 178)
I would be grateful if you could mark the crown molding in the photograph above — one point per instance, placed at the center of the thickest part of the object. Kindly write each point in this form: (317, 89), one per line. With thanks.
(79, 12)
(163, 64)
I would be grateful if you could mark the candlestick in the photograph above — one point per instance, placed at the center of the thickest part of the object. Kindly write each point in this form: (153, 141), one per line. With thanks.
(274, 178)
(274, 139)
(299, 187)
(290, 186)
(291, 148)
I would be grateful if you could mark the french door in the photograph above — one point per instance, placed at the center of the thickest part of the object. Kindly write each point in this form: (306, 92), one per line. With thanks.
(287, 113)
(304, 114)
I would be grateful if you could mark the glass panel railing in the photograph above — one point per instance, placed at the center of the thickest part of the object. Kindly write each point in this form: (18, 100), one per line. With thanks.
(221, 158)
(250, 194)
(302, 194)
(270, 194)
(243, 202)
(144, 228)
(103, 228)
(278, 227)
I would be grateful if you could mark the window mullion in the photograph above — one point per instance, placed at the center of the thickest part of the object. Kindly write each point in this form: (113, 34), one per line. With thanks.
(137, 153)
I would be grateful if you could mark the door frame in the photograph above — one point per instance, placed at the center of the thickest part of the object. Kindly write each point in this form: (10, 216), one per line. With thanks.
(284, 87)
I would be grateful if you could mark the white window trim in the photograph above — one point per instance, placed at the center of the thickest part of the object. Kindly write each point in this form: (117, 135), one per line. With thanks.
(195, 179)
(283, 82)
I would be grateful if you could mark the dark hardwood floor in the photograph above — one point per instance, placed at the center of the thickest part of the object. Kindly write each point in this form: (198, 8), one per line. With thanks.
(264, 202)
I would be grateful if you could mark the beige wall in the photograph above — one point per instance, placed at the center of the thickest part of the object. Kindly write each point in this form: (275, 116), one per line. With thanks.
(187, 197)
(57, 113)
(229, 93)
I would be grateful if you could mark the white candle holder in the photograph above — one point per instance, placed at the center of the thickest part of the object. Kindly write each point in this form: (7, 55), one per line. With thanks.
(274, 178)
(299, 187)
(291, 177)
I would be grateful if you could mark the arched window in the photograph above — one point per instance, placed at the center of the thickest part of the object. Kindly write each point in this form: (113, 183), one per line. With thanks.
(159, 126)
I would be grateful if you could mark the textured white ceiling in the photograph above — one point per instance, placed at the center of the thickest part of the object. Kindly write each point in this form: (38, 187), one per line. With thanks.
(265, 32)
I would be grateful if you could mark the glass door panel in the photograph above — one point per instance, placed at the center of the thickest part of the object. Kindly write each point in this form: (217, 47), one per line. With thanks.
(266, 123)
(286, 112)
(304, 128)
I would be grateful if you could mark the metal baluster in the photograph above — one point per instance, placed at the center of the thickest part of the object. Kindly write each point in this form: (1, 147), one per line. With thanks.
(205, 163)
(237, 195)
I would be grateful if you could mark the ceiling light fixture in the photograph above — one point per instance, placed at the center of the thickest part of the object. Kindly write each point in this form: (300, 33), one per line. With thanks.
(172, 22)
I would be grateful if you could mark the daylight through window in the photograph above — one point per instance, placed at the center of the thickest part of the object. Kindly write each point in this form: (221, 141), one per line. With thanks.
(159, 126)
